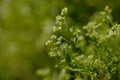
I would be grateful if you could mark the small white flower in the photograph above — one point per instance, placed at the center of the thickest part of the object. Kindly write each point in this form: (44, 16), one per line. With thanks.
(58, 42)
(59, 28)
(52, 54)
(48, 42)
(53, 37)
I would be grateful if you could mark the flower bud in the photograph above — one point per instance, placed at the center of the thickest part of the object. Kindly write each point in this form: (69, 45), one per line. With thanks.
(64, 11)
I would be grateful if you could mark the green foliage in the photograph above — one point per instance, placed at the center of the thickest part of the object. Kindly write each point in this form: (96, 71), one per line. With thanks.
(90, 53)
(25, 26)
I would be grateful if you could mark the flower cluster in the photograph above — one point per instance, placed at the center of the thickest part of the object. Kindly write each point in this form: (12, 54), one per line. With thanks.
(87, 54)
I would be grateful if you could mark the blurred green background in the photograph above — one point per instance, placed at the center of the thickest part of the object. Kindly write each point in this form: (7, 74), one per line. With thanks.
(25, 26)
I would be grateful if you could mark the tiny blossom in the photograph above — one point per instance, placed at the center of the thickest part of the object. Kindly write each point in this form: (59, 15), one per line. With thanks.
(58, 42)
(79, 57)
(102, 13)
(65, 45)
(53, 37)
(64, 11)
(52, 54)
(58, 53)
(111, 33)
(108, 17)
(60, 38)
(76, 32)
(59, 18)
(48, 42)
(90, 56)
(59, 28)
(59, 23)
(54, 29)
(89, 26)
(114, 27)
(106, 8)
(80, 38)
(94, 34)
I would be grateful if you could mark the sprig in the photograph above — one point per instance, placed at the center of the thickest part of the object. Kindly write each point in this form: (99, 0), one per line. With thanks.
(88, 54)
